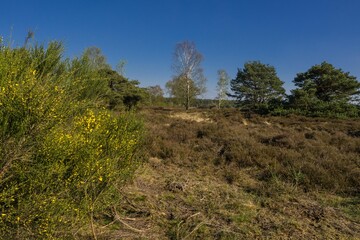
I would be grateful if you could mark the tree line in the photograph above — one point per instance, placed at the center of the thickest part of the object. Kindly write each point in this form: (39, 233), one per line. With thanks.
(322, 90)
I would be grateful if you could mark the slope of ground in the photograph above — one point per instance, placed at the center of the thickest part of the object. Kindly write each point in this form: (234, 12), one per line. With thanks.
(218, 175)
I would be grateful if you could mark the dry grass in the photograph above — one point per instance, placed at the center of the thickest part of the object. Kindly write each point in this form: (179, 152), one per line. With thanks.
(194, 116)
(219, 175)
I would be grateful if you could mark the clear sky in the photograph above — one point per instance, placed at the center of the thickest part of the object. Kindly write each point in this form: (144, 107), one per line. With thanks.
(291, 35)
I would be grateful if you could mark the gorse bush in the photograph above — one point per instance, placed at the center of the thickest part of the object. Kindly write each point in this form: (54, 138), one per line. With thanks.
(63, 155)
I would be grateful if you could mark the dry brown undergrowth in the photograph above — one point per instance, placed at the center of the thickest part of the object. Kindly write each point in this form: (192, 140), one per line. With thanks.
(224, 176)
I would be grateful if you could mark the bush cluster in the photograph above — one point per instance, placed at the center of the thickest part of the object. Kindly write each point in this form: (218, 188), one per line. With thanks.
(63, 154)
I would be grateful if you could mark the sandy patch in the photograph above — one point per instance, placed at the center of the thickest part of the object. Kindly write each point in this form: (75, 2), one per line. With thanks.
(196, 117)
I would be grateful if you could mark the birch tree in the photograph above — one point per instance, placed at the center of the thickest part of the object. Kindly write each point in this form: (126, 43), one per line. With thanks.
(222, 86)
(96, 58)
(188, 81)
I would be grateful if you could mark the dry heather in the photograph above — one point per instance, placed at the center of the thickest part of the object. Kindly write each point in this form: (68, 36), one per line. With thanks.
(231, 177)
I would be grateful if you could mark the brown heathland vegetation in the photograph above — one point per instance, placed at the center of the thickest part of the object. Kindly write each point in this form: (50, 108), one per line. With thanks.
(218, 175)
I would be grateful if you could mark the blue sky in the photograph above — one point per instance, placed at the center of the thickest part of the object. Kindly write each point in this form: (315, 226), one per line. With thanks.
(287, 34)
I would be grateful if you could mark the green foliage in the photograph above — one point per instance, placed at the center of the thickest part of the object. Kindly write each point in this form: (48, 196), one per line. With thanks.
(85, 83)
(96, 59)
(156, 95)
(327, 83)
(325, 91)
(257, 86)
(123, 92)
(63, 155)
(183, 90)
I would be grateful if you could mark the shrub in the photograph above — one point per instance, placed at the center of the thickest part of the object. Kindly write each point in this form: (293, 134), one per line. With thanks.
(63, 154)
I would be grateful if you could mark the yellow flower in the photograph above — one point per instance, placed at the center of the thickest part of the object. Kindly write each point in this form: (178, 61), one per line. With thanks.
(100, 178)
(34, 72)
